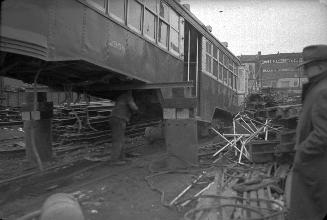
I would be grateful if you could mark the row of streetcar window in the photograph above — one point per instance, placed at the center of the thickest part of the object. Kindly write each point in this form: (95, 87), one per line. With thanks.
(157, 21)
(220, 65)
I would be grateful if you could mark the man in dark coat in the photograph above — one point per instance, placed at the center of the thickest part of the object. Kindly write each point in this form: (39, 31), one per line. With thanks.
(308, 199)
(120, 116)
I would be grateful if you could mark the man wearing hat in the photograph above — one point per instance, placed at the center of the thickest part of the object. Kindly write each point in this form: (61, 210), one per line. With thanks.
(308, 198)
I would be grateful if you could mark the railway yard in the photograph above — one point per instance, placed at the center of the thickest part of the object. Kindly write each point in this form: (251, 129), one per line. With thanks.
(134, 109)
(150, 186)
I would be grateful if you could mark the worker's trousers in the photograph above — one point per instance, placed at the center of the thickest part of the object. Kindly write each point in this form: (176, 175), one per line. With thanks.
(118, 127)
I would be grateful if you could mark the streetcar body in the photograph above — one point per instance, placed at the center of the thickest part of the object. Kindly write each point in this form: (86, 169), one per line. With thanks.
(94, 46)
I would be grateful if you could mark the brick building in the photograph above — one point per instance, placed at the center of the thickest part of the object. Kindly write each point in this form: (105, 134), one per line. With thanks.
(277, 71)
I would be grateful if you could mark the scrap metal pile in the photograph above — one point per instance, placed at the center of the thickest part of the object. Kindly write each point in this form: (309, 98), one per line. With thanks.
(78, 131)
(244, 171)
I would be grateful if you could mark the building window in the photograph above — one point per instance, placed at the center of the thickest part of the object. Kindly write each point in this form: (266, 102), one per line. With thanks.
(98, 4)
(117, 9)
(134, 15)
(149, 27)
(163, 33)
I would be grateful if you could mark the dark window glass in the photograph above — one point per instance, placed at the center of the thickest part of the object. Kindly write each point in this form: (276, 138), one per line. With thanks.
(215, 68)
(163, 33)
(215, 52)
(134, 14)
(149, 24)
(208, 63)
(174, 40)
(163, 11)
(116, 9)
(151, 4)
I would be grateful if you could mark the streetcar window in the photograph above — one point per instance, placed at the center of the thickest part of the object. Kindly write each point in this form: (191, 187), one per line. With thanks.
(134, 14)
(151, 4)
(215, 68)
(225, 60)
(208, 63)
(163, 34)
(229, 78)
(235, 80)
(215, 52)
(220, 56)
(225, 75)
(149, 24)
(174, 40)
(220, 72)
(99, 4)
(163, 11)
(116, 9)
(231, 64)
(208, 47)
(174, 20)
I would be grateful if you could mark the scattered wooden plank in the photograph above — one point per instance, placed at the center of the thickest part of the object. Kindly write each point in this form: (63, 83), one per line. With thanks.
(205, 202)
(262, 204)
(254, 204)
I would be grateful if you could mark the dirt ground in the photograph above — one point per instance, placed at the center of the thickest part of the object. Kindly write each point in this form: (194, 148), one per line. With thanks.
(107, 192)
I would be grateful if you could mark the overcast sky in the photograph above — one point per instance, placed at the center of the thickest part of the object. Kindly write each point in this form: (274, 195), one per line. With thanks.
(269, 26)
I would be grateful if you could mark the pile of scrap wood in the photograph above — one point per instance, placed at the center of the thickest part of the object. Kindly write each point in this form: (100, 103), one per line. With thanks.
(237, 191)
(242, 192)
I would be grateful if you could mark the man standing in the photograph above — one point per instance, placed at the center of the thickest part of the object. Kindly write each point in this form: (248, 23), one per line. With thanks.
(308, 199)
(120, 115)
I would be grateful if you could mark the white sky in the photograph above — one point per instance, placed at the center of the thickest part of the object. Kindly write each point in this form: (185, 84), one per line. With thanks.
(269, 26)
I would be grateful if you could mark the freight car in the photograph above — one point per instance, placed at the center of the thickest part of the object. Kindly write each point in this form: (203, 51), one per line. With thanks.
(157, 48)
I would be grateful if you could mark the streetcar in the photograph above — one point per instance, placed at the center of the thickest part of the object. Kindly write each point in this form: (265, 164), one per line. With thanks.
(157, 48)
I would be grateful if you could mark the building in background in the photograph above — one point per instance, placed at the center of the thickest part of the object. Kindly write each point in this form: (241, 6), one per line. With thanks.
(279, 72)
(243, 83)
(251, 63)
(275, 72)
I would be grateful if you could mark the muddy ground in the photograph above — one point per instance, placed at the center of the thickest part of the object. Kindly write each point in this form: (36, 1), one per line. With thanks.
(106, 191)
